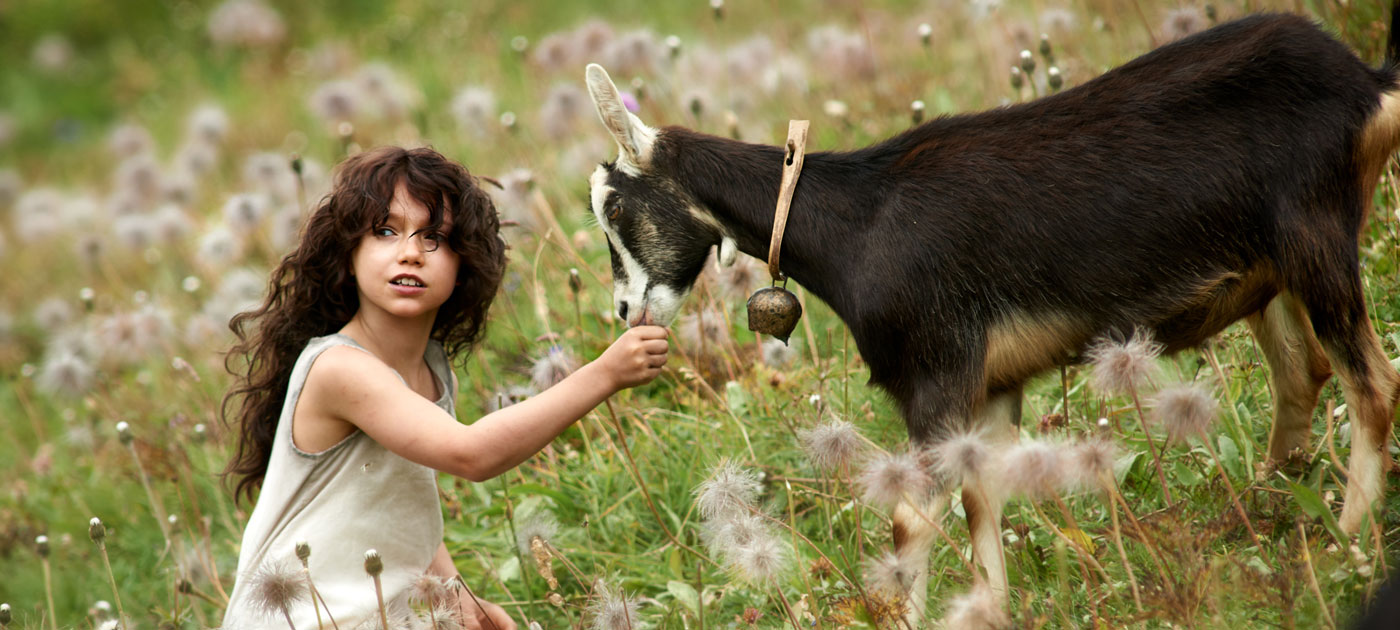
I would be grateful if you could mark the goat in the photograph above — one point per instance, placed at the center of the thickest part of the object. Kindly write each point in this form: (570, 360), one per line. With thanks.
(1225, 176)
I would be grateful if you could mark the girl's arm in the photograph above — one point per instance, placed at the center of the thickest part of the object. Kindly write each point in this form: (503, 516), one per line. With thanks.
(358, 388)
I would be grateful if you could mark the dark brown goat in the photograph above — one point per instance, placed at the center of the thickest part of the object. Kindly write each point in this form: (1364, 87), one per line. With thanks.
(1222, 177)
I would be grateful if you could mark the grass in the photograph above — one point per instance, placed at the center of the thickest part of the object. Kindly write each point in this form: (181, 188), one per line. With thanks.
(621, 483)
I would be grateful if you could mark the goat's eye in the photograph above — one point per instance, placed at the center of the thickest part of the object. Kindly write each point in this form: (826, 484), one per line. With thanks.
(614, 211)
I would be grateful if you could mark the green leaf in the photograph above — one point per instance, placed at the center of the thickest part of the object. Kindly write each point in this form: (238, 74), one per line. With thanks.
(735, 397)
(510, 570)
(1185, 474)
(1124, 465)
(1314, 506)
(1229, 456)
(685, 594)
(537, 490)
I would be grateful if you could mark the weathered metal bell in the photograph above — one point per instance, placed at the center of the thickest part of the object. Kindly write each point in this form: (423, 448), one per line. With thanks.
(774, 311)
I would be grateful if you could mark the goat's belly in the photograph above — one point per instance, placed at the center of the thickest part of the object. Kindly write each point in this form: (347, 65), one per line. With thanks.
(1219, 302)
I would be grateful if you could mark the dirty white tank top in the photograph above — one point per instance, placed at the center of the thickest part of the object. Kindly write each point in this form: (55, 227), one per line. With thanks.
(351, 497)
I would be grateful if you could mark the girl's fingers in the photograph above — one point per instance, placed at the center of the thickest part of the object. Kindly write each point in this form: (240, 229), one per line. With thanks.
(656, 346)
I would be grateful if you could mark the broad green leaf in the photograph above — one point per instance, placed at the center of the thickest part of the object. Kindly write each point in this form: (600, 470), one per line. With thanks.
(736, 398)
(685, 594)
(1229, 455)
(510, 570)
(1314, 506)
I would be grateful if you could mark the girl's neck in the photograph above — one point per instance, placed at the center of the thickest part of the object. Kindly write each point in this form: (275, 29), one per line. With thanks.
(398, 343)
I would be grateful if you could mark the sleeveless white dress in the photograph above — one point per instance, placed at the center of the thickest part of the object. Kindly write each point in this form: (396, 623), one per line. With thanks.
(351, 497)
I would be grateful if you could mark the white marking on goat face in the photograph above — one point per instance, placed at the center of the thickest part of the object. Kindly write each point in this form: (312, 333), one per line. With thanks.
(658, 240)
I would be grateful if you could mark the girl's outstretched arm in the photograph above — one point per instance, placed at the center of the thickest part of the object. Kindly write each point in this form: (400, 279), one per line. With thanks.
(357, 388)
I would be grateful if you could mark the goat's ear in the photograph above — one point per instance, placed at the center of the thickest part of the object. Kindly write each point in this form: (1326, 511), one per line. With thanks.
(728, 251)
(634, 139)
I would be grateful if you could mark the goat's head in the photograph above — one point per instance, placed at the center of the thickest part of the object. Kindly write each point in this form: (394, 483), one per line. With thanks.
(659, 235)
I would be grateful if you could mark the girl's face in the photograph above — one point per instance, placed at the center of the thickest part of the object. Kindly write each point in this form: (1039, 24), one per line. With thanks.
(403, 267)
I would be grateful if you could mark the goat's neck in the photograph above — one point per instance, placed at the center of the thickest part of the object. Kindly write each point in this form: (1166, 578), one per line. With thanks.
(738, 182)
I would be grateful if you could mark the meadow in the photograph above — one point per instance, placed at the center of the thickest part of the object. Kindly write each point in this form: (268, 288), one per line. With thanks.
(157, 158)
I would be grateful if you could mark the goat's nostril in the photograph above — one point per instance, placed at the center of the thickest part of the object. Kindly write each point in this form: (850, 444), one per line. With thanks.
(622, 311)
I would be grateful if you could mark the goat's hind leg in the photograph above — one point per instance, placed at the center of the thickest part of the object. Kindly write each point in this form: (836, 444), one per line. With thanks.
(914, 534)
(1298, 369)
(1333, 297)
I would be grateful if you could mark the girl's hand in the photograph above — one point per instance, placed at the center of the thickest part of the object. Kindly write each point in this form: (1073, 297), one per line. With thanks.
(479, 614)
(636, 357)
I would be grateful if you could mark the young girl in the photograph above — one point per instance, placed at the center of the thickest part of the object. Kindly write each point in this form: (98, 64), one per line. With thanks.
(346, 411)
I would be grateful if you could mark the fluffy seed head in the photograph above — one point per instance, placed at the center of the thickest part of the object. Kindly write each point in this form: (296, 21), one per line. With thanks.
(1186, 410)
(964, 458)
(892, 477)
(539, 524)
(374, 565)
(275, 587)
(977, 610)
(730, 490)
(556, 364)
(724, 535)
(830, 446)
(1091, 463)
(96, 531)
(429, 589)
(1124, 367)
(761, 562)
(1034, 468)
(891, 574)
(611, 610)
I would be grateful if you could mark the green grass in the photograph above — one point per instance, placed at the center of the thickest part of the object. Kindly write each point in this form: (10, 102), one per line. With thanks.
(151, 62)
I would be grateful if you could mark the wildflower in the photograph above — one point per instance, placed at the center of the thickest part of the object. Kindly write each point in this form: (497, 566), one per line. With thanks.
(246, 23)
(374, 565)
(474, 107)
(275, 587)
(842, 52)
(41, 545)
(1027, 62)
(66, 374)
(218, 247)
(178, 186)
(726, 533)
(1186, 410)
(777, 354)
(556, 364)
(729, 490)
(196, 157)
(97, 531)
(389, 95)
(563, 108)
(539, 524)
(554, 51)
(37, 215)
(271, 174)
(760, 562)
(124, 433)
(52, 314)
(335, 101)
(592, 37)
(611, 609)
(1091, 463)
(635, 52)
(1053, 78)
(976, 610)
(207, 123)
(916, 112)
(1034, 468)
(429, 589)
(964, 458)
(135, 231)
(128, 140)
(892, 477)
(1057, 20)
(1183, 21)
(830, 446)
(138, 175)
(705, 328)
(673, 44)
(1017, 78)
(52, 54)
(892, 575)
(1124, 367)
(5, 615)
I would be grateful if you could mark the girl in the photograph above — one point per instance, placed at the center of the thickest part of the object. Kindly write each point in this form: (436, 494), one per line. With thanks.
(345, 410)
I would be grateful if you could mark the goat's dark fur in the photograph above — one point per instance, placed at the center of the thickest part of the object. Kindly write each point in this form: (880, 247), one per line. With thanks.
(1180, 192)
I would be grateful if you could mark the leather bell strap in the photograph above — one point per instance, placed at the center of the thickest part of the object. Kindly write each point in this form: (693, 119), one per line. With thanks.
(792, 167)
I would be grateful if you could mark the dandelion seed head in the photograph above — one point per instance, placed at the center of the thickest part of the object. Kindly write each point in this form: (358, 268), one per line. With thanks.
(832, 445)
(761, 562)
(66, 374)
(275, 587)
(634, 52)
(136, 232)
(474, 107)
(889, 478)
(1091, 463)
(196, 157)
(554, 366)
(1185, 410)
(1124, 367)
(562, 110)
(892, 575)
(731, 489)
(336, 101)
(611, 610)
(207, 123)
(963, 458)
(539, 524)
(219, 247)
(245, 23)
(1034, 468)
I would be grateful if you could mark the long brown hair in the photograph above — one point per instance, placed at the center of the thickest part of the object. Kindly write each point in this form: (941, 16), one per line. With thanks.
(312, 292)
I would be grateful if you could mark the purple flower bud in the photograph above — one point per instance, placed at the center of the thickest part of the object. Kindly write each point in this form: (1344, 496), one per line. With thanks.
(630, 102)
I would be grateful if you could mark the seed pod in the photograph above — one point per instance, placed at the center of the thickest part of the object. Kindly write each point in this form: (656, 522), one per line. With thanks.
(303, 551)
(1052, 76)
(184, 586)
(96, 530)
(673, 44)
(718, 6)
(4, 614)
(774, 311)
(374, 565)
(916, 111)
(124, 433)
(296, 164)
(1017, 78)
(41, 544)
(1045, 48)
(575, 282)
(925, 34)
(1027, 62)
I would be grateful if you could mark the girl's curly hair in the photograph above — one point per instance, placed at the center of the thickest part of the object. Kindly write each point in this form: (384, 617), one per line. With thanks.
(312, 292)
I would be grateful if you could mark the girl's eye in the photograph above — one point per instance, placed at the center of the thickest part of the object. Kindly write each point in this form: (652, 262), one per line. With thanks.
(383, 231)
